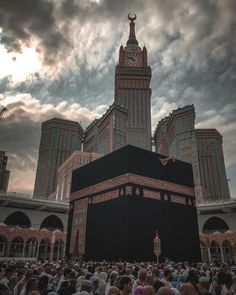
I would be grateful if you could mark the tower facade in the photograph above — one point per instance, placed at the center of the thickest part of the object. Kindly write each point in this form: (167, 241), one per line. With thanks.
(211, 164)
(132, 89)
(59, 139)
(176, 136)
(108, 133)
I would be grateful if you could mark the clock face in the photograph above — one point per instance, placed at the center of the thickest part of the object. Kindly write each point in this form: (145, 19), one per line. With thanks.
(133, 59)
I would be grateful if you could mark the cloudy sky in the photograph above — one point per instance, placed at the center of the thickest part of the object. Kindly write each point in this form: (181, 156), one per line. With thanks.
(57, 59)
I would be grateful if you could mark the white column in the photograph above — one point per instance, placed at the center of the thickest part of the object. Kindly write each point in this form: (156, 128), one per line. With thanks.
(222, 254)
(51, 253)
(30, 249)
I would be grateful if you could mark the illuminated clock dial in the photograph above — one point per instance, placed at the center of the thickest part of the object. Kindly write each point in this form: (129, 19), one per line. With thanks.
(133, 59)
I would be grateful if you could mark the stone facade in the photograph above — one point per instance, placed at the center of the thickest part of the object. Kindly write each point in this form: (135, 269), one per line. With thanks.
(64, 173)
(32, 229)
(211, 164)
(108, 133)
(112, 130)
(59, 139)
(90, 139)
(217, 227)
(176, 136)
(33, 244)
(218, 247)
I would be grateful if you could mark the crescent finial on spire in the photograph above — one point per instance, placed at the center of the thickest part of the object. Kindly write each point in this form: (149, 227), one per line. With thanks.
(132, 18)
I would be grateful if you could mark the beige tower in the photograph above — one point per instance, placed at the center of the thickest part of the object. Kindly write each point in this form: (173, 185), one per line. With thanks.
(132, 89)
(176, 136)
(59, 139)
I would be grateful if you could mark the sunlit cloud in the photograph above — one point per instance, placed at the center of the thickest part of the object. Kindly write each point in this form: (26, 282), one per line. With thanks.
(25, 107)
(19, 65)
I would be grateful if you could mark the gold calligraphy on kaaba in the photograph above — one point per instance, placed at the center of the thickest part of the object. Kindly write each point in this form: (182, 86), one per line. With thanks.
(165, 161)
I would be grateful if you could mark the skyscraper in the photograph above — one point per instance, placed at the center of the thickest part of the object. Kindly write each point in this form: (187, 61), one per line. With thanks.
(59, 139)
(132, 89)
(176, 136)
(128, 120)
(211, 164)
(108, 133)
(4, 173)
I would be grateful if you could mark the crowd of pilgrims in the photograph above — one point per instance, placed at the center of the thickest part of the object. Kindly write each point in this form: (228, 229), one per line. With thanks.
(120, 278)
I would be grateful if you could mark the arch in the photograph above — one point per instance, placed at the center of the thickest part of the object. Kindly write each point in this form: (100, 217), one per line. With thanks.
(52, 222)
(16, 247)
(215, 224)
(18, 218)
(215, 252)
(3, 245)
(227, 251)
(31, 246)
(44, 249)
(58, 251)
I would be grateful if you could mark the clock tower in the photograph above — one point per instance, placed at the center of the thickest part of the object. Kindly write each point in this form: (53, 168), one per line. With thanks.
(132, 89)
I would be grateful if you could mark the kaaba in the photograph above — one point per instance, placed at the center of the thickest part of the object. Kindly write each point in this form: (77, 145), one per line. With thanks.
(120, 200)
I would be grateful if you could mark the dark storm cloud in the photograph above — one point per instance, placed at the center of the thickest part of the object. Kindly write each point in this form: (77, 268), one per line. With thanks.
(49, 22)
(92, 87)
(211, 85)
(199, 66)
(23, 20)
(106, 9)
